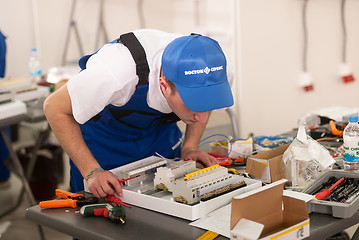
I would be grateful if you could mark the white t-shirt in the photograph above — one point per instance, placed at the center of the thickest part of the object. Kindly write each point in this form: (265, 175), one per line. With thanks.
(110, 76)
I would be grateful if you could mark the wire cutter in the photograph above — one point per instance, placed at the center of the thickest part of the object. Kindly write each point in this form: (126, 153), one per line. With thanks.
(69, 200)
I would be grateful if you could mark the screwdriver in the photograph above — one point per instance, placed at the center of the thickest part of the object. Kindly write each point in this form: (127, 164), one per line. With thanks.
(113, 211)
(323, 194)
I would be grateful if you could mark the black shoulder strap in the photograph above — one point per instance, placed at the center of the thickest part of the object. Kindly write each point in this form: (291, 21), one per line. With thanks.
(138, 54)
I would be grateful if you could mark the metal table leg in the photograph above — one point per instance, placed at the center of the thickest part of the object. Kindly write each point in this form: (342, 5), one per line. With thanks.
(43, 135)
(16, 162)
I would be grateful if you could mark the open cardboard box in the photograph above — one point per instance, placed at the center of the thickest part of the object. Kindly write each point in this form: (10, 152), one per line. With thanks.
(264, 213)
(267, 166)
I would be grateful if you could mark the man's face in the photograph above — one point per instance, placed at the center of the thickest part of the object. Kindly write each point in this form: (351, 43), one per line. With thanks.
(175, 102)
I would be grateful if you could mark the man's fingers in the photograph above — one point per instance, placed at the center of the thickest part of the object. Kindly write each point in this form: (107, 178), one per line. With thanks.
(116, 186)
(212, 159)
(94, 190)
(101, 192)
(104, 183)
(207, 160)
(202, 159)
(199, 164)
(108, 189)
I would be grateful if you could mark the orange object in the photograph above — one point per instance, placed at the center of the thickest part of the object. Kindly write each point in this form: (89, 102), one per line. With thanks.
(225, 162)
(239, 160)
(70, 200)
(58, 203)
(67, 195)
(334, 129)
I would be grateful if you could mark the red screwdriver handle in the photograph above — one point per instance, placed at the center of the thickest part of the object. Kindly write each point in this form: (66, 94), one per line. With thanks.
(323, 194)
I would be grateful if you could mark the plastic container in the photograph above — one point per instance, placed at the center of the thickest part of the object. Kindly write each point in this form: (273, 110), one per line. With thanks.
(336, 209)
(34, 66)
(351, 145)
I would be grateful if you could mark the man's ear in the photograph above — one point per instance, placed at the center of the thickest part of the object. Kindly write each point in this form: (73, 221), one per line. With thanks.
(165, 87)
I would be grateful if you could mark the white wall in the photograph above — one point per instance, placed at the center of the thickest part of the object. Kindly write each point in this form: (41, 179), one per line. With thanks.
(262, 39)
(16, 22)
(270, 100)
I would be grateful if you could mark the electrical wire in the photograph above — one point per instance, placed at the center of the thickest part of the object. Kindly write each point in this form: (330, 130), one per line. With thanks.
(36, 25)
(203, 142)
(305, 34)
(344, 31)
(140, 13)
(211, 136)
(329, 139)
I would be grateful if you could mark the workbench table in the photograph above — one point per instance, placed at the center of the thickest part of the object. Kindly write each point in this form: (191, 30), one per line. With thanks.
(142, 223)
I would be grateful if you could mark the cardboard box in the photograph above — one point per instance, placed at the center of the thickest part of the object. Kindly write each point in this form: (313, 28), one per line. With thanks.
(258, 214)
(267, 166)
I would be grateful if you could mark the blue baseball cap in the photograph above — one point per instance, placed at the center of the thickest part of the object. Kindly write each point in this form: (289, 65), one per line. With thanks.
(197, 66)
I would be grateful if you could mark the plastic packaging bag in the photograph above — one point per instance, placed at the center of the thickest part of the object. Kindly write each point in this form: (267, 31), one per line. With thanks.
(305, 160)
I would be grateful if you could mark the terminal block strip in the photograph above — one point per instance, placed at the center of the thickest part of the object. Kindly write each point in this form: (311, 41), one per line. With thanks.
(191, 187)
(142, 173)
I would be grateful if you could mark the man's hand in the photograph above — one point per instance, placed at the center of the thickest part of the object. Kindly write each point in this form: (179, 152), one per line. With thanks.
(103, 183)
(202, 159)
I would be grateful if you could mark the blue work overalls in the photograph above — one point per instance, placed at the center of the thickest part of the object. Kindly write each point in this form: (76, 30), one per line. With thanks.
(120, 135)
(4, 153)
(2, 55)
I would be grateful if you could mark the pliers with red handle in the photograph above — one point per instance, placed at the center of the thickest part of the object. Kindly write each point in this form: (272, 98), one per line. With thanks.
(69, 200)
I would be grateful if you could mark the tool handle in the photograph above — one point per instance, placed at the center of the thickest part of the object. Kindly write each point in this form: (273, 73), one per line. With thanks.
(323, 194)
(66, 194)
(58, 203)
(114, 199)
(93, 209)
(336, 184)
(334, 129)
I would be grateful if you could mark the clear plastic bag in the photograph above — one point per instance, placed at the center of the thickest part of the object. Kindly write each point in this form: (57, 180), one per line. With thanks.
(305, 160)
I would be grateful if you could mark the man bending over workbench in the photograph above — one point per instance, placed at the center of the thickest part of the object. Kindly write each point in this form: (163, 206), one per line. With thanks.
(124, 104)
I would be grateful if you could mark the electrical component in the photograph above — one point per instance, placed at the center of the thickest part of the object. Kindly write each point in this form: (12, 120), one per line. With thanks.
(190, 185)
(306, 81)
(135, 172)
(346, 73)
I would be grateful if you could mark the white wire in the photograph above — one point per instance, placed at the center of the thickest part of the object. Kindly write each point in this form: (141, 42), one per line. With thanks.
(36, 25)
